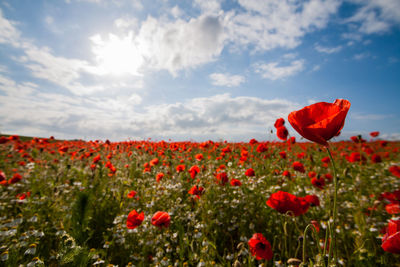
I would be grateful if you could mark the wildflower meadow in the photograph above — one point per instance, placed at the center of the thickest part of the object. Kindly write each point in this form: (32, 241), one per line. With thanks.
(308, 202)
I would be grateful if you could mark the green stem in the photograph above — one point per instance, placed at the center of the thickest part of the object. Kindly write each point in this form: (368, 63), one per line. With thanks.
(335, 184)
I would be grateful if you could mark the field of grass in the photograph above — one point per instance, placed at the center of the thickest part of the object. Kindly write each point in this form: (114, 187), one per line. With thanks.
(66, 203)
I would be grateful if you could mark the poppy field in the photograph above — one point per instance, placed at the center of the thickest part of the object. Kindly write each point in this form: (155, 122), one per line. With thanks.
(158, 203)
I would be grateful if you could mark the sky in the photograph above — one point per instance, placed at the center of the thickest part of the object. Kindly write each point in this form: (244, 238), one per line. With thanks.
(195, 70)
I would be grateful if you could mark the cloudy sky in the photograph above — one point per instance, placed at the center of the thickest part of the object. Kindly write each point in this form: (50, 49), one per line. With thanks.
(195, 70)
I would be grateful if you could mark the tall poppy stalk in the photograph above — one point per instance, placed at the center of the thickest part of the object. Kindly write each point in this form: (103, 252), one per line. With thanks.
(319, 123)
(335, 185)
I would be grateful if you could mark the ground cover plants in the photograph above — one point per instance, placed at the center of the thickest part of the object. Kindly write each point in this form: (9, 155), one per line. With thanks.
(157, 203)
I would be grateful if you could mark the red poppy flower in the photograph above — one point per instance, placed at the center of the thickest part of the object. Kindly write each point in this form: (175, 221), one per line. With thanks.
(222, 177)
(318, 182)
(194, 170)
(321, 121)
(96, 159)
(159, 176)
(154, 162)
(250, 172)
(285, 202)
(312, 174)
(180, 168)
(282, 133)
(236, 182)
(282, 154)
(292, 140)
(316, 225)
(253, 141)
(15, 179)
(391, 240)
(260, 247)
(134, 219)
(261, 148)
(199, 157)
(326, 160)
(161, 219)
(279, 123)
(395, 170)
(374, 134)
(131, 194)
(196, 191)
(298, 166)
(393, 208)
(376, 158)
(313, 200)
(286, 174)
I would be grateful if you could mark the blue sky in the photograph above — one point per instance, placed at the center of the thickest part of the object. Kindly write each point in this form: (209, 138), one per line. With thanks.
(195, 70)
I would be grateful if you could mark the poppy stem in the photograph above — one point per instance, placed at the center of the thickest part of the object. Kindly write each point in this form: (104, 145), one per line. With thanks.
(312, 227)
(335, 184)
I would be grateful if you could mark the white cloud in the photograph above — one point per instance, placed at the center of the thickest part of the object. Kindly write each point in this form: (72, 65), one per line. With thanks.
(180, 44)
(270, 24)
(328, 50)
(210, 6)
(226, 79)
(118, 118)
(8, 32)
(376, 16)
(390, 136)
(275, 70)
(127, 23)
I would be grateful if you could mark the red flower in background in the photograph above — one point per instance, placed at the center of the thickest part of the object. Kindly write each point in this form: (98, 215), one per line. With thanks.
(313, 200)
(236, 182)
(326, 160)
(395, 170)
(374, 134)
(376, 158)
(159, 176)
(318, 182)
(194, 170)
(199, 157)
(393, 208)
(279, 123)
(134, 219)
(298, 166)
(391, 240)
(196, 191)
(260, 247)
(131, 194)
(286, 174)
(15, 179)
(161, 219)
(321, 121)
(180, 168)
(222, 178)
(261, 148)
(285, 202)
(282, 133)
(96, 159)
(250, 172)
